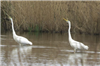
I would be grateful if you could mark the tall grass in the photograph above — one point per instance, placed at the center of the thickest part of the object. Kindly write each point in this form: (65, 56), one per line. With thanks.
(47, 15)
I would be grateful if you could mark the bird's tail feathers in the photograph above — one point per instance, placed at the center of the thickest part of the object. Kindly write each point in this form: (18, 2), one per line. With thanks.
(30, 43)
(85, 46)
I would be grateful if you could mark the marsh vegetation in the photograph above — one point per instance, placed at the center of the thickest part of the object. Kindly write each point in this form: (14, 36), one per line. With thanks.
(47, 16)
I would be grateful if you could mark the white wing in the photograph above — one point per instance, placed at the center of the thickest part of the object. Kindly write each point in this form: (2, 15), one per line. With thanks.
(22, 40)
(78, 45)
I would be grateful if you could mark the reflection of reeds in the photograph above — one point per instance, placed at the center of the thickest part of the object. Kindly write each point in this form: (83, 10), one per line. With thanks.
(47, 15)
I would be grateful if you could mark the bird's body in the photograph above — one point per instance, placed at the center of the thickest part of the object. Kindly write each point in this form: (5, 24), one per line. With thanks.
(75, 44)
(78, 45)
(19, 39)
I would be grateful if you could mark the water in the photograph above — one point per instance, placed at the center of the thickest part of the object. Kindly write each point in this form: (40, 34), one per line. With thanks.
(49, 50)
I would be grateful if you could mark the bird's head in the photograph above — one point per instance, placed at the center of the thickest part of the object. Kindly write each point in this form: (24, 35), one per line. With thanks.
(8, 16)
(66, 20)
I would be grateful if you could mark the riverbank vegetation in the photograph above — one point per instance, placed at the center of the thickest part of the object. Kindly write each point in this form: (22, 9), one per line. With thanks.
(47, 16)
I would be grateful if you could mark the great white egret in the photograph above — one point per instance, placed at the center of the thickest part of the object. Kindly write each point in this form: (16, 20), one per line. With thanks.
(19, 39)
(75, 44)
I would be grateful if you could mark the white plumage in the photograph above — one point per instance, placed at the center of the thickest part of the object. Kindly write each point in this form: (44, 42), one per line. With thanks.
(75, 44)
(19, 39)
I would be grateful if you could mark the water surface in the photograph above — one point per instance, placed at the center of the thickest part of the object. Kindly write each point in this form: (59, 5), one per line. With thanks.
(49, 50)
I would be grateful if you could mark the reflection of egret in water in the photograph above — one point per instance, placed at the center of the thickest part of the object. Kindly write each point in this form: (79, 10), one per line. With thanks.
(77, 59)
(19, 55)
(2, 58)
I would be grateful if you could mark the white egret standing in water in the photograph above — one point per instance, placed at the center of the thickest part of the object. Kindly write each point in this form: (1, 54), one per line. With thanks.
(19, 39)
(75, 44)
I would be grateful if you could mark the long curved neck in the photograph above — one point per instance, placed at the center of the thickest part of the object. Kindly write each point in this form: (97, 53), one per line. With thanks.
(14, 33)
(70, 38)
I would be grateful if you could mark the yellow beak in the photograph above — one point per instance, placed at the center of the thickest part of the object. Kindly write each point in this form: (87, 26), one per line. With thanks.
(65, 19)
(7, 15)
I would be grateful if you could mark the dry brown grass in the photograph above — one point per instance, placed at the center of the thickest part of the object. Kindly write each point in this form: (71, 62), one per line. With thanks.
(47, 15)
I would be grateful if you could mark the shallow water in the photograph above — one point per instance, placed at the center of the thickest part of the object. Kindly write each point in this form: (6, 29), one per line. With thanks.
(49, 50)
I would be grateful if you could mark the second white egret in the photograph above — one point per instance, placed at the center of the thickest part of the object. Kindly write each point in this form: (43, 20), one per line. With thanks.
(75, 44)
